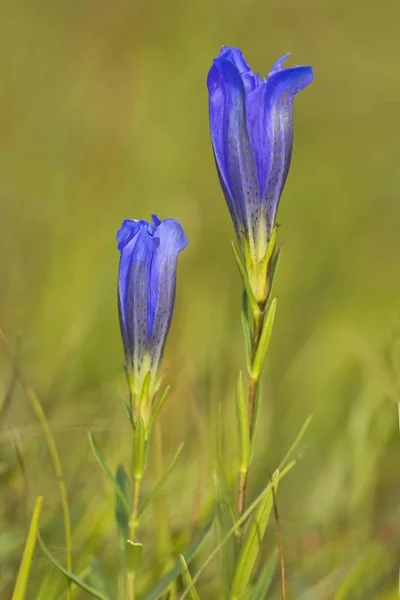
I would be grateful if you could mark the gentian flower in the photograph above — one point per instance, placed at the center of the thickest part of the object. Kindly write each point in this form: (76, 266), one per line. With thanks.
(146, 295)
(252, 135)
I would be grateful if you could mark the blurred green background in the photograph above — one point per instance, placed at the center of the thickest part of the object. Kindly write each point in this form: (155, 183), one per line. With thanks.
(104, 116)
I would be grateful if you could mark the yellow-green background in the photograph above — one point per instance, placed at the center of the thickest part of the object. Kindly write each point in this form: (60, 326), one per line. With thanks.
(103, 116)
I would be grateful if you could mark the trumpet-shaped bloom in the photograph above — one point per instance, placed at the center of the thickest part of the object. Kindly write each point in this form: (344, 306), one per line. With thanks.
(146, 293)
(252, 135)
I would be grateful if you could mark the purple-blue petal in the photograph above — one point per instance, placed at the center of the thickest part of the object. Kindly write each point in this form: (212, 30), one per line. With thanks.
(146, 286)
(126, 232)
(252, 136)
(235, 56)
(270, 124)
(278, 65)
(231, 143)
(135, 261)
(162, 284)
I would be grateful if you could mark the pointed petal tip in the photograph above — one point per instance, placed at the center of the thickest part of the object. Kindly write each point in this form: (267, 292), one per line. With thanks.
(277, 66)
(126, 232)
(292, 79)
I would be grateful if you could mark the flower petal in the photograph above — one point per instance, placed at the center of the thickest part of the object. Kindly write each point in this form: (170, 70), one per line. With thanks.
(235, 56)
(133, 276)
(279, 63)
(231, 142)
(270, 124)
(162, 284)
(126, 232)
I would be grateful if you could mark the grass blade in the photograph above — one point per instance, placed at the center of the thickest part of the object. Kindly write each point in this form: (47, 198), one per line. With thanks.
(70, 576)
(187, 579)
(296, 442)
(251, 546)
(263, 584)
(23, 573)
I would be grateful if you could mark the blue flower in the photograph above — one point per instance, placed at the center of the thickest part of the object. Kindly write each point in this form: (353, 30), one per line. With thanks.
(252, 135)
(146, 294)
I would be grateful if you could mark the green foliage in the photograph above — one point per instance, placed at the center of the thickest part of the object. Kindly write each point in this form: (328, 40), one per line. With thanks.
(23, 573)
(78, 581)
(264, 340)
(187, 579)
(251, 545)
(261, 587)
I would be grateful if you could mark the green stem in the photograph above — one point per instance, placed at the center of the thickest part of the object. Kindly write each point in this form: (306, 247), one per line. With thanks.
(258, 320)
(133, 525)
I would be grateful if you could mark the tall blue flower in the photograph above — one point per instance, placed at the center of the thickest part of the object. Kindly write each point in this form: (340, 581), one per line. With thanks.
(252, 135)
(146, 294)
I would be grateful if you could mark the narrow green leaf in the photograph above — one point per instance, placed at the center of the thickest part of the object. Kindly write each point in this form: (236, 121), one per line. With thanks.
(264, 341)
(123, 510)
(187, 579)
(139, 447)
(126, 406)
(243, 421)
(296, 442)
(251, 545)
(159, 589)
(100, 459)
(70, 576)
(157, 410)
(261, 588)
(133, 556)
(245, 280)
(246, 331)
(23, 573)
(160, 482)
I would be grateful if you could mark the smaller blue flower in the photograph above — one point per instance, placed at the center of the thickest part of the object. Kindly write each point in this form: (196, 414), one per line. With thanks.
(146, 294)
